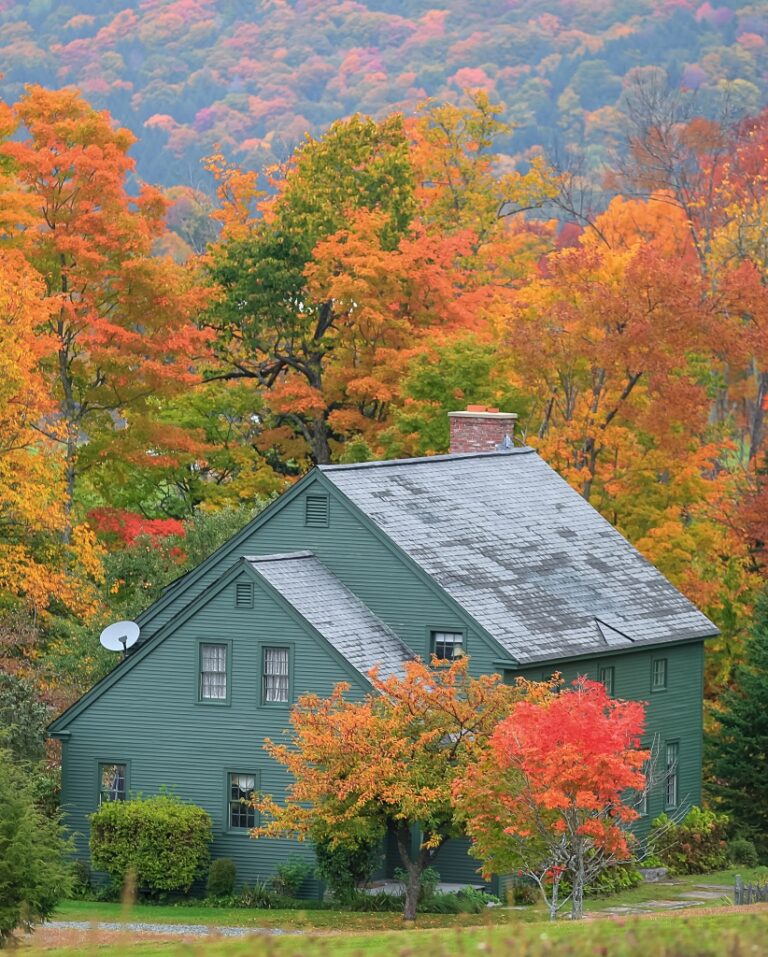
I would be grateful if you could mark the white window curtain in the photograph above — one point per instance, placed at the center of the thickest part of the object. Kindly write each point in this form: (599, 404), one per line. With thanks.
(276, 678)
(447, 645)
(213, 672)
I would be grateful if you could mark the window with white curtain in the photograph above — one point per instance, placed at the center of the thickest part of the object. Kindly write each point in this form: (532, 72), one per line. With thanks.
(276, 674)
(241, 811)
(213, 672)
(447, 645)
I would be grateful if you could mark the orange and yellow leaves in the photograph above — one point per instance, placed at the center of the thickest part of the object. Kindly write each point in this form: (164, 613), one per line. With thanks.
(392, 756)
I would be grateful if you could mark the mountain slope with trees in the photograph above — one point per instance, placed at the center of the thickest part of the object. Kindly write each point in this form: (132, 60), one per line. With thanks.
(185, 75)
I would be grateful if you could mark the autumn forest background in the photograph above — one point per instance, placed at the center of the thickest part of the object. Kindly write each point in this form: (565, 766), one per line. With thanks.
(238, 239)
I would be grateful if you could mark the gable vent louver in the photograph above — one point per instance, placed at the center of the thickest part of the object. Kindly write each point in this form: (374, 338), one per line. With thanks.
(316, 511)
(244, 595)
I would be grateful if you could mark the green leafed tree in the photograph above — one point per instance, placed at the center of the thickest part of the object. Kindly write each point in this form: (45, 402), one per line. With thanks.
(738, 745)
(268, 325)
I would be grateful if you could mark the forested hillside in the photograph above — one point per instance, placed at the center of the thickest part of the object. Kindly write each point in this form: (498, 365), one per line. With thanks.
(255, 77)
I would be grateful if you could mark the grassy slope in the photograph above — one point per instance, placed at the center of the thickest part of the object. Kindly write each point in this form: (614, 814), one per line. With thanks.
(715, 935)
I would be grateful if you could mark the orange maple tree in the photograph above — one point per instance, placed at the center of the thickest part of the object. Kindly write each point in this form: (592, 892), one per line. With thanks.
(120, 317)
(34, 566)
(388, 761)
(551, 796)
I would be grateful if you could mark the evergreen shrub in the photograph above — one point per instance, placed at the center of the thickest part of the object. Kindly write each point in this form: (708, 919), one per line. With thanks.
(743, 852)
(221, 878)
(344, 869)
(161, 840)
(34, 875)
(290, 875)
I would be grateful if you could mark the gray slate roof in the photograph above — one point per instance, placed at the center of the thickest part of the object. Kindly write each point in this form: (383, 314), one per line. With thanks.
(330, 607)
(522, 552)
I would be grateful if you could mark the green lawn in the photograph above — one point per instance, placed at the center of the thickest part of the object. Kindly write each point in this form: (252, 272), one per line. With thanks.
(720, 935)
(345, 921)
(323, 920)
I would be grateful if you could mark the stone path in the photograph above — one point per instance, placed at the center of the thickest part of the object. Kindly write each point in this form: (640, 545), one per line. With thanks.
(703, 894)
(172, 930)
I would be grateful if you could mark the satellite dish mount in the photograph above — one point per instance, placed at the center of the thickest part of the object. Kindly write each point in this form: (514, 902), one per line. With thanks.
(120, 636)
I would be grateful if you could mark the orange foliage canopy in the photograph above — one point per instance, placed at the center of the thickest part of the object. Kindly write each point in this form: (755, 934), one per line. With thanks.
(119, 317)
(391, 759)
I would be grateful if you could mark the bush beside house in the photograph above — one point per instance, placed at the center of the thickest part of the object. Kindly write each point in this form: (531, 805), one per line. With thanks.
(161, 841)
(695, 845)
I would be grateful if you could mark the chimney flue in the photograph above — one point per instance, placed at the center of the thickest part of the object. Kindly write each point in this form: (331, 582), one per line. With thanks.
(480, 429)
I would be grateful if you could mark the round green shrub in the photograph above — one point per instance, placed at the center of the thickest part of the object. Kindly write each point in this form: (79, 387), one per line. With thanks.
(221, 878)
(742, 851)
(161, 840)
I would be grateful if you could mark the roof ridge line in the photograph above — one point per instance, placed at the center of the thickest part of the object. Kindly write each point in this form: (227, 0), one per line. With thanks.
(449, 457)
(277, 557)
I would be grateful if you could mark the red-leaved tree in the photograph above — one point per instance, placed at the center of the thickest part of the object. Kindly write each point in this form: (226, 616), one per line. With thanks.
(552, 796)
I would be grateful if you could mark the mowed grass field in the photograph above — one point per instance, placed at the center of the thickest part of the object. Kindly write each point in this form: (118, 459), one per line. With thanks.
(719, 933)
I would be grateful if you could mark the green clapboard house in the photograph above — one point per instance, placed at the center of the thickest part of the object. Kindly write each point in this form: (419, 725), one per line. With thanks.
(485, 551)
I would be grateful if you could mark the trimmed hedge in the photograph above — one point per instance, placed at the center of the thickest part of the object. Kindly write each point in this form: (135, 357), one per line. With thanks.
(161, 840)
(695, 845)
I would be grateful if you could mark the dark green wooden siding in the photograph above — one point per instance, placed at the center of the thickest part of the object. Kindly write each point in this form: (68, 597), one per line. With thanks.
(368, 566)
(151, 719)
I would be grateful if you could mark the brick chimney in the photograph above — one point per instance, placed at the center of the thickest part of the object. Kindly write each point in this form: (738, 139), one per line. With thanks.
(480, 429)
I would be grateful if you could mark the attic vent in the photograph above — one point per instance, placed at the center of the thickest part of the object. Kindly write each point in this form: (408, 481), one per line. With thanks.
(244, 595)
(317, 511)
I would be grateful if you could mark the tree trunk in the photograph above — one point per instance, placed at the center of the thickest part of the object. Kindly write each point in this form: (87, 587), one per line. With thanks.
(577, 894)
(554, 898)
(69, 415)
(414, 868)
(758, 417)
(321, 450)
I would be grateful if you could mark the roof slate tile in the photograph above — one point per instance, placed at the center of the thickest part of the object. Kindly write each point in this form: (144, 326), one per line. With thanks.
(521, 551)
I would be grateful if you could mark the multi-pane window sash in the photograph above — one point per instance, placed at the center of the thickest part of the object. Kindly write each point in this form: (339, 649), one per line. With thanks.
(447, 645)
(276, 674)
(659, 678)
(672, 763)
(112, 786)
(213, 672)
(241, 811)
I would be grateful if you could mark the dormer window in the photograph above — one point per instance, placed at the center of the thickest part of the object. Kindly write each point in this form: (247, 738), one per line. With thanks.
(447, 645)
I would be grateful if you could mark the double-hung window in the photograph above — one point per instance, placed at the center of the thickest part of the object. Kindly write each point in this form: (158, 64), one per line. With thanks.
(659, 674)
(276, 675)
(113, 782)
(213, 672)
(447, 645)
(672, 774)
(241, 811)
(606, 675)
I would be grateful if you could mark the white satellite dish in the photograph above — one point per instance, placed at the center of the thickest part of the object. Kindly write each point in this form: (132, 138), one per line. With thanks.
(120, 636)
